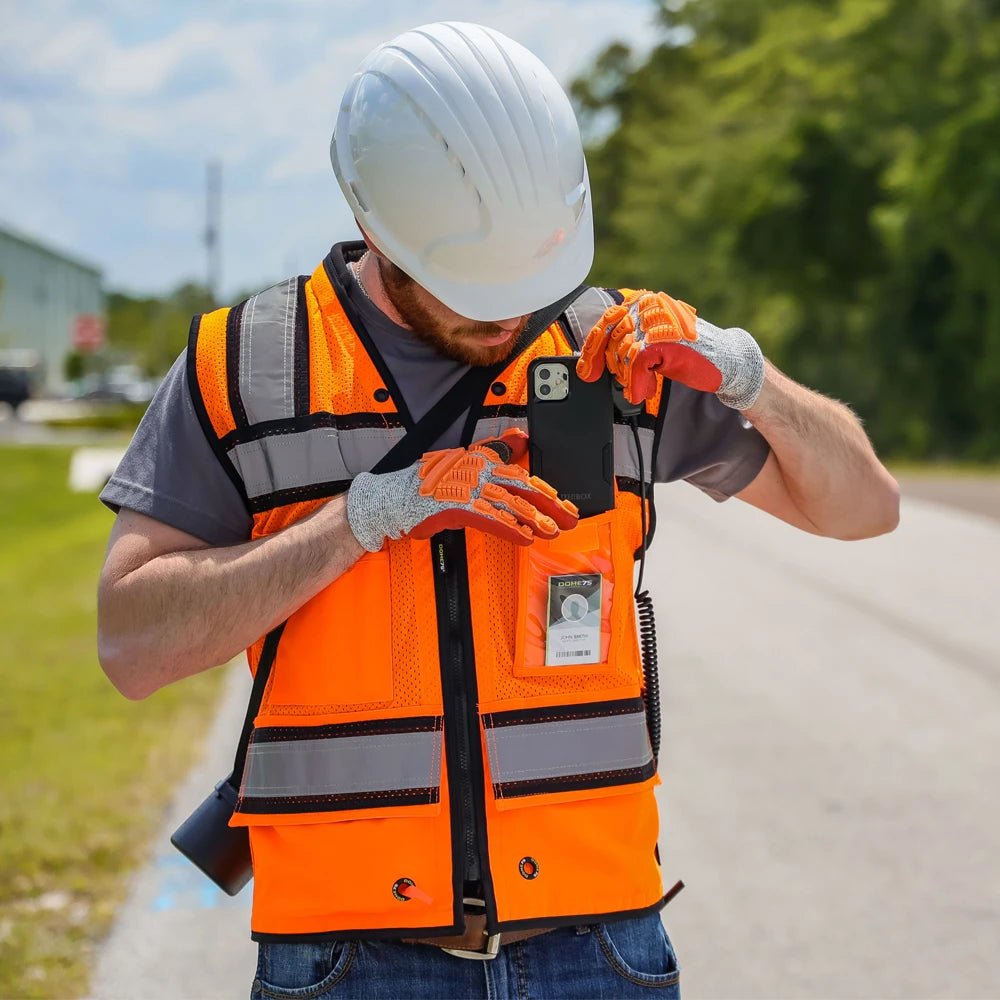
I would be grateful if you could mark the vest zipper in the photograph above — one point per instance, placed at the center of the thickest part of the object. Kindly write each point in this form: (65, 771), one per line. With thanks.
(462, 744)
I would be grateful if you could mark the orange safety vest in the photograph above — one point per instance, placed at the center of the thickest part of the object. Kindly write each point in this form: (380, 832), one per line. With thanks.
(409, 713)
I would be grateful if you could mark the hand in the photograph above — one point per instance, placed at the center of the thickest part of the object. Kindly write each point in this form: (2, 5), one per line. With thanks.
(651, 334)
(475, 487)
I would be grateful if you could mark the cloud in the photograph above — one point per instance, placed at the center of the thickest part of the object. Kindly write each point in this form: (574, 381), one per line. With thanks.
(108, 113)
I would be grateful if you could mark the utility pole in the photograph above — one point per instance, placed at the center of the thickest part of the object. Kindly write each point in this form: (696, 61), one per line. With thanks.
(213, 210)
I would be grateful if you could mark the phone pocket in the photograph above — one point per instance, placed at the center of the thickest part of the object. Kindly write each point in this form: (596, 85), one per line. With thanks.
(566, 601)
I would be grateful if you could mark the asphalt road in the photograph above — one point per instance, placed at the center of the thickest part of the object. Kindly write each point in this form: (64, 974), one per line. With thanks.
(831, 765)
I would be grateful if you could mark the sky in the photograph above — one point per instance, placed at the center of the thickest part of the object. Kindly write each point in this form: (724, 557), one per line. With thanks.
(110, 110)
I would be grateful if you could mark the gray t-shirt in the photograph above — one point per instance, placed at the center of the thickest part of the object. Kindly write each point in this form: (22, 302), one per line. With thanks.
(171, 473)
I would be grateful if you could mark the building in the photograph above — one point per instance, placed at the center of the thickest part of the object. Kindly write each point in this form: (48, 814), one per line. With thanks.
(49, 300)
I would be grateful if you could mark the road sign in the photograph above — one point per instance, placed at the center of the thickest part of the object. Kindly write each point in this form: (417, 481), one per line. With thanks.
(88, 332)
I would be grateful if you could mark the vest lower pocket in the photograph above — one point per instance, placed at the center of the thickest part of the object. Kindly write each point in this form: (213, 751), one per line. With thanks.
(571, 817)
(336, 650)
(343, 872)
(584, 857)
(338, 815)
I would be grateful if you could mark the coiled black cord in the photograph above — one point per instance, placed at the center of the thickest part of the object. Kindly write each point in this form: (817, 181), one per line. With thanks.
(644, 608)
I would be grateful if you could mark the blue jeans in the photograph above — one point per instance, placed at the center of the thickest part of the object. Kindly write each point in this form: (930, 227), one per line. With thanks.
(628, 958)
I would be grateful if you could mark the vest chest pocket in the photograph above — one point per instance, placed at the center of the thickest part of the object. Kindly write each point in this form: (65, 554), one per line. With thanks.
(336, 650)
(567, 605)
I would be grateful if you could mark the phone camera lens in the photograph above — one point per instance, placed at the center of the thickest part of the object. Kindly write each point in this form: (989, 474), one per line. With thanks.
(543, 373)
(545, 389)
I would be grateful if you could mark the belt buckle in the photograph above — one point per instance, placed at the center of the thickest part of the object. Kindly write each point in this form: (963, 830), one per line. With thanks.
(492, 948)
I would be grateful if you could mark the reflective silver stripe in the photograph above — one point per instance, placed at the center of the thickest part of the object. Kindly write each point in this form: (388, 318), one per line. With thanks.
(626, 461)
(267, 353)
(543, 750)
(491, 427)
(305, 458)
(585, 312)
(344, 766)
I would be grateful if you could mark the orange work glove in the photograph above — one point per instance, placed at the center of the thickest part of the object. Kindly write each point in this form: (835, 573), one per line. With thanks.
(651, 334)
(475, 487)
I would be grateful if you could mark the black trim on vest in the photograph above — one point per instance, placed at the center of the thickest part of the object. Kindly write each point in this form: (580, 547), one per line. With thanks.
(383, 934)
(574, 782)
(464, 766)
(513, 411)
(338, 730)
(293, 425)
(591, 918)
(335, 266)
(233, 325)
(298, 494)
(301, 374)
(472, 417)
(564, 713)
(475, 747)
(616, 295)
(645, 419)
(268, 653)
(290, 804)
(194, 389)
(379, 934)
(567, 332)
(627, 484)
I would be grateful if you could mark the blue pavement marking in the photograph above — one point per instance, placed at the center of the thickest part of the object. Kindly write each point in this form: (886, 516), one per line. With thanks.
(181, 886)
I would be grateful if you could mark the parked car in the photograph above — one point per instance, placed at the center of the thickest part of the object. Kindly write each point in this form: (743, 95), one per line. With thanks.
(20, 373)
(120, 384)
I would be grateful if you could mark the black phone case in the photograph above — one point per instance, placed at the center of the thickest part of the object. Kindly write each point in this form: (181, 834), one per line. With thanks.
(571, 441)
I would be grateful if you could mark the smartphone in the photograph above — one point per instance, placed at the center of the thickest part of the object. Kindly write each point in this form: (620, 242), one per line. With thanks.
(571, 433)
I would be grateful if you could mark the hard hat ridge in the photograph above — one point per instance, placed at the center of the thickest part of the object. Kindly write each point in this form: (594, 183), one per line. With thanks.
(460, 155)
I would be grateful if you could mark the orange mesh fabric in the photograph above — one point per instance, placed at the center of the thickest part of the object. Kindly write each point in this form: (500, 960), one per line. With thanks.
(365, 644)
(210, 364)
(270, 521)
(515, 375)
(342, 377)
(416, 678)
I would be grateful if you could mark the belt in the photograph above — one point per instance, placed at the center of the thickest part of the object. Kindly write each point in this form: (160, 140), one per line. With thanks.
(475, 942)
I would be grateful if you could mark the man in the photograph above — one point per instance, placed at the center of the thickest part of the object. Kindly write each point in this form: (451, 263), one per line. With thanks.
(422, 788)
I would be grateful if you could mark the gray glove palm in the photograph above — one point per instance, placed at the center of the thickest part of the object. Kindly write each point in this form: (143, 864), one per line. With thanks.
(475, 487)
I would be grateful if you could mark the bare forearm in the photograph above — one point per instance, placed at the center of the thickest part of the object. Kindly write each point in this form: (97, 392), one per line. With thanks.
(183, 612)
(827, 463)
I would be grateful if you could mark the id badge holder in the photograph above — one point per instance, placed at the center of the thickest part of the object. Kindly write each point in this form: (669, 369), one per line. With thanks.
(565, 599)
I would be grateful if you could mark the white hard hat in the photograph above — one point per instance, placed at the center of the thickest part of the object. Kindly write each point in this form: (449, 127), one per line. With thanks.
(461, 158)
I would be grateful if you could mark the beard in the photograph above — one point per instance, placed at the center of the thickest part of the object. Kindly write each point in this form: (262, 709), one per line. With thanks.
(457, 341)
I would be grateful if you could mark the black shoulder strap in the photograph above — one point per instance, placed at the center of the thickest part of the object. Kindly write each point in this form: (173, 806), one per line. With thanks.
(467, 391)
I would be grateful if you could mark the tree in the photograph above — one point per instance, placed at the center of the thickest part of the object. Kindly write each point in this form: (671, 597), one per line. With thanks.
(153, 330)
(823, 172)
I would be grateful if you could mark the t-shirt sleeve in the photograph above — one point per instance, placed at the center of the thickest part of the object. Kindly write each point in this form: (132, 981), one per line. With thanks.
(171, 473)
(708, 444)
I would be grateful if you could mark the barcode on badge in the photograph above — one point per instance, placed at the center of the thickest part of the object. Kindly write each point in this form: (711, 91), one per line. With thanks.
(563, 654)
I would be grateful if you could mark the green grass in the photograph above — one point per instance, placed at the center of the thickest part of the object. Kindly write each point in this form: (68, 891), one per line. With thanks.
(944, 470)
(112, 417)
(84, 773)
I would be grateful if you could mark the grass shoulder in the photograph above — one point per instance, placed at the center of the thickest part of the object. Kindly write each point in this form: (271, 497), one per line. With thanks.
(84, 773)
